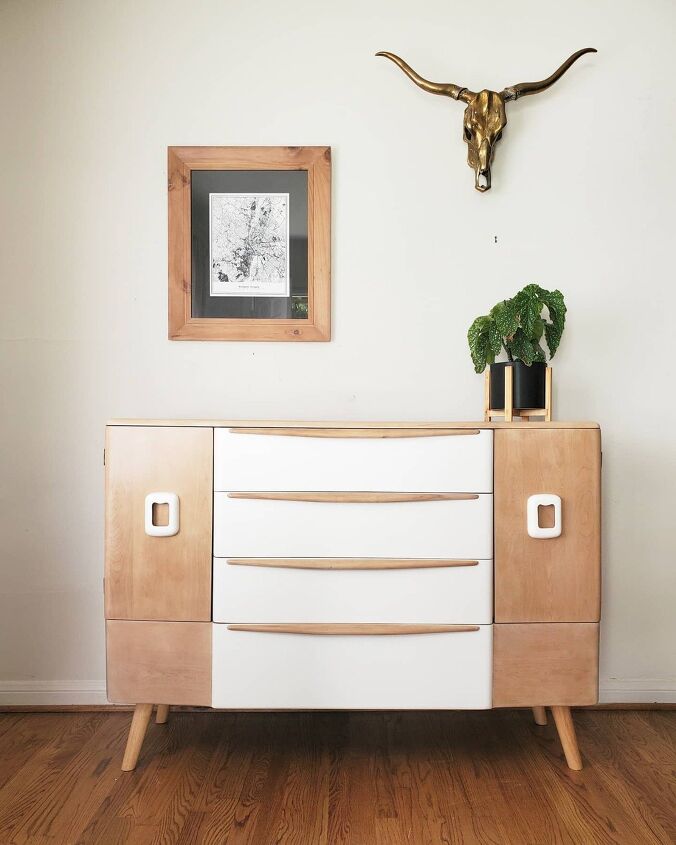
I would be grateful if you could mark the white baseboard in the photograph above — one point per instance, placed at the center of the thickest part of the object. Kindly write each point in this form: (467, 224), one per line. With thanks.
(637, 691)
(612, 691)
(52, 692)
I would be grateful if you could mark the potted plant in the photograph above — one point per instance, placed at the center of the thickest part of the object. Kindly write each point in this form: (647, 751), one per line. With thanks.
(518, 326)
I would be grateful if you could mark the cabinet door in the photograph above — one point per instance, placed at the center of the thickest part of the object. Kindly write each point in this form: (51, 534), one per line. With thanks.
(546, 664)
(548, 579)
(150, 576)
(165, 662)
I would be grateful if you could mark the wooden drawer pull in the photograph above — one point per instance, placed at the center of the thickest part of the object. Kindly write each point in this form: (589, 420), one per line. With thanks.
(348, 563)
(361, 498)
(352, 630)
(355, 433)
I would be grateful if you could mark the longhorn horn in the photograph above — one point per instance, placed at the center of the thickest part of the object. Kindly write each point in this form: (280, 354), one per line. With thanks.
(525, 88)
(447, 89)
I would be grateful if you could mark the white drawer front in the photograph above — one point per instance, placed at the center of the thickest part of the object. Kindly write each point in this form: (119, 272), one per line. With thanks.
(451, 594)
(278, 528)
(454, 462)
(409, 671)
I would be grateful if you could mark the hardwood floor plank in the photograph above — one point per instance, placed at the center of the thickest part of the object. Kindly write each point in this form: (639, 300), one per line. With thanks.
(9, 723)
(159, 814)
(587, 811)
(636, 753)
(33, 783)
(353, 813)
(241, 781)
(523, 804)
(61, 813)
(409, 778)
(218, 798)
(21, 743)
(110, 824)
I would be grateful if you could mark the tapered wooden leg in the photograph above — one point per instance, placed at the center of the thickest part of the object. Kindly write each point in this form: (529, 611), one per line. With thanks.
(137, 731)
(566, 731)
(540, 715)
(162, 714)
(509, 396)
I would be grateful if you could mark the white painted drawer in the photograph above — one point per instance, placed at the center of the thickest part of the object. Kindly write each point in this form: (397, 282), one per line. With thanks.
(456, 462)
(307, 671)
(276, 592)
(263, 527)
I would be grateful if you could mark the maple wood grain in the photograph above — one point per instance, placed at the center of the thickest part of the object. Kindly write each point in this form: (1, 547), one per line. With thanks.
(557, 579)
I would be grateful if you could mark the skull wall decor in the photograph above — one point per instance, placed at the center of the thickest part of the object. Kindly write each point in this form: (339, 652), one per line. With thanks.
(485, 116)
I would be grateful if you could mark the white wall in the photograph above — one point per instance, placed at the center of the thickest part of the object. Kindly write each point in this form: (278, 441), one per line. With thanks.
(91, 94)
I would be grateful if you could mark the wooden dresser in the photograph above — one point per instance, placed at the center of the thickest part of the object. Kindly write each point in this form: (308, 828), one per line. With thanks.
(305, 565)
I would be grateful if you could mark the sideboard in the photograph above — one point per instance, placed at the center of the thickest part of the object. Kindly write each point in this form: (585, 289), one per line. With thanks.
(366, 565)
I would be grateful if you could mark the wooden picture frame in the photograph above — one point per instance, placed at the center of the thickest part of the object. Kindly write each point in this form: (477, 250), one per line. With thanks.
(182, 162)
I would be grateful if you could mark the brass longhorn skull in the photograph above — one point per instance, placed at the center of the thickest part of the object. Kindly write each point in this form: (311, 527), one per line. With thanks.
(485, 116)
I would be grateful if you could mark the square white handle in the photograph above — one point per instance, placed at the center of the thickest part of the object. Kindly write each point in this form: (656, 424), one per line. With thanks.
(171, 528)
(533, 516)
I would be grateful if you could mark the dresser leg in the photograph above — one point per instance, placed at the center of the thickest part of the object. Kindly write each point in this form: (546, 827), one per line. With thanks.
(137, 731)
(540, 715)
(162, 714)
(566, 731)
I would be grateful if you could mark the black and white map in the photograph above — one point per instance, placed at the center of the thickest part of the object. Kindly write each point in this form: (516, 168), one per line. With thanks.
(249, 244)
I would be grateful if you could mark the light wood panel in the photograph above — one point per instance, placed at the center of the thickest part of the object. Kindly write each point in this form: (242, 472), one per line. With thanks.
(548, 663)
(352, 630)
(356, 433)
(548, 580)
(158, 577)
(348, 563)
(167, 662)
(317, 161)
(357, 498)
(342, 424)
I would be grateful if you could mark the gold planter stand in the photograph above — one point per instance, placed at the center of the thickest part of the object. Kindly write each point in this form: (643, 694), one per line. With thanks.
(509, 411)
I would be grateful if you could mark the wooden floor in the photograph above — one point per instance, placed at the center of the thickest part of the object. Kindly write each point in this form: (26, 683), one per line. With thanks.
(358, 778)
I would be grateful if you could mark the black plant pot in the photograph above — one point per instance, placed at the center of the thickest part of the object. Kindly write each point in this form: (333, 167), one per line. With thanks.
(528, 385)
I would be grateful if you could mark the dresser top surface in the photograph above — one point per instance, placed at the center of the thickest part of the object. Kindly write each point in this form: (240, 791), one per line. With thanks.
(344, 424)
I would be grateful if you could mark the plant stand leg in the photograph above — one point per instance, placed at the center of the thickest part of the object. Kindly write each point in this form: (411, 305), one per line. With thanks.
(548, 394)
(540, 715)
(566, 730)
(137, 732)
(509, 402)
(162, 714)
(487, 394)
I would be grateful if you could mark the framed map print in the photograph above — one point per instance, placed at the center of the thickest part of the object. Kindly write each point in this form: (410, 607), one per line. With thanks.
(249, 243)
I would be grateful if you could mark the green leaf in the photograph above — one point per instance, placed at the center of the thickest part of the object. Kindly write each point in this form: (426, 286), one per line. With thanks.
(479, 347)
(530, 309)
(531, 320)
(539, 355)
(506, 316)
(557, 314)
(521, 348)
(494, 338)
